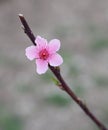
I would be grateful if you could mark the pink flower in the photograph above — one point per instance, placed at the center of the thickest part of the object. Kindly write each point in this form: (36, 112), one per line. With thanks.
(44, 54)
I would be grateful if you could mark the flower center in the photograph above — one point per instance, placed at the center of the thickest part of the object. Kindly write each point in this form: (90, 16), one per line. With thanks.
(43, 54)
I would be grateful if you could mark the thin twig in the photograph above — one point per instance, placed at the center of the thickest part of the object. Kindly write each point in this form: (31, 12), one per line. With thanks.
(66, 88)
(27, 29)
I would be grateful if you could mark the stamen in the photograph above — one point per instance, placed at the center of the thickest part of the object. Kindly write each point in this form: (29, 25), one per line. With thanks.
(43, 54)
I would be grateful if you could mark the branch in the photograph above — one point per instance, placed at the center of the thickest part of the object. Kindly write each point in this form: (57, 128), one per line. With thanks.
(57, 74)
(27, 29)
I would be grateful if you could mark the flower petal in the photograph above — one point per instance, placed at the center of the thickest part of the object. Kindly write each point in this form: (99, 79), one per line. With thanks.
(54, 45)
(41, 42)
(55, 60)
(31, 52)
(42, 66)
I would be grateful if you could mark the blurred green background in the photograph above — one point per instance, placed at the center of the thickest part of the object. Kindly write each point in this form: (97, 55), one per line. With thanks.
(29, 101)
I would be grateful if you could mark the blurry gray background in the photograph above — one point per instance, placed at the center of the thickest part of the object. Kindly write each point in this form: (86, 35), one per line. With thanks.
(29, 101)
